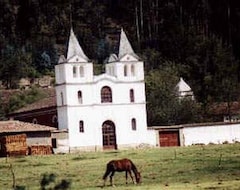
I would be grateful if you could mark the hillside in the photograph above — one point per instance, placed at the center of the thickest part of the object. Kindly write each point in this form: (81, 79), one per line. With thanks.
(197, 40)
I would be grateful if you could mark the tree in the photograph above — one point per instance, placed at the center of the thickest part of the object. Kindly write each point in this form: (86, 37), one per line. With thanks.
(22, 99)
(2, 109)
(163, 106)
(188, 111)
(161, 101)
(14, 66)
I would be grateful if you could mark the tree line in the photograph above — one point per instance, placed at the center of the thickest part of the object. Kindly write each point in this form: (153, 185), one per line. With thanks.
(197, 40)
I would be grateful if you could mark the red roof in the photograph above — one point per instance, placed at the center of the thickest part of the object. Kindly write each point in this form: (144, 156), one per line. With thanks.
(19, 126)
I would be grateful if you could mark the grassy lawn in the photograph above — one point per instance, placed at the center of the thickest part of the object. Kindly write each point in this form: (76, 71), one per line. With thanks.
(196, 167)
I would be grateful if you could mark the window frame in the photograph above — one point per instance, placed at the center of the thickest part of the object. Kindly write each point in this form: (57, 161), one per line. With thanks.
(132, 95)
(81, 126)
(74, 71)
(80, 97)
(81, 71)
(133, 70)
(134, 124)
(106, 94)
(125, 70)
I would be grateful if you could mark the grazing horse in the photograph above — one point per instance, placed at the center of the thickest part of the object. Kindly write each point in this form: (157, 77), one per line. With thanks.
(120, 166)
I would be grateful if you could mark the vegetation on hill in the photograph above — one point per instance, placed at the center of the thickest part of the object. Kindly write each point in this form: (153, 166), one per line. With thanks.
(19, 99)
(201, 39)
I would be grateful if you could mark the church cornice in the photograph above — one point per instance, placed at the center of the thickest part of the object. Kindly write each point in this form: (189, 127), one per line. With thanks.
(103, 105)
(70, 63)
(95, 82)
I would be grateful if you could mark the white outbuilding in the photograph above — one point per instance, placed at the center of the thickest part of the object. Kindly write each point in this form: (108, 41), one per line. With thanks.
(107, 111)
(184, 90)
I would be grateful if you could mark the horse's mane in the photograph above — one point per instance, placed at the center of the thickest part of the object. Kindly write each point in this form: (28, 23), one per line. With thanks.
(134, 168)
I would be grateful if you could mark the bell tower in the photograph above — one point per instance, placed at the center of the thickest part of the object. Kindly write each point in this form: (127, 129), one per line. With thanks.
(126, 66)
(71, 73)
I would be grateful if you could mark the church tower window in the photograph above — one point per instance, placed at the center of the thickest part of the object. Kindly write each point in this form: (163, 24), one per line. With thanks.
(81, 126)
(132, 70)
(81, 71)
(80, 97)
(134, 126)
(106, 94)
(74, 71)
(125, 70)
(132, 99)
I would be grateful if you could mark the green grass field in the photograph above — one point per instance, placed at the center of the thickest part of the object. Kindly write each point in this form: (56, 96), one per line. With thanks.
(196, 167)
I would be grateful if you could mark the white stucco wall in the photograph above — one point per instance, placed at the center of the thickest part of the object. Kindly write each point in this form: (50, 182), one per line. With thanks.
(216, 134)
(94, 117)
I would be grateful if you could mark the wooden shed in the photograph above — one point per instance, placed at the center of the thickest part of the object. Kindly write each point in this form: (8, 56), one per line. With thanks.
(22, 138)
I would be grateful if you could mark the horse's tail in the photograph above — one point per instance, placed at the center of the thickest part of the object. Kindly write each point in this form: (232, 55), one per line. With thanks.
(105, 175)
(107, 172)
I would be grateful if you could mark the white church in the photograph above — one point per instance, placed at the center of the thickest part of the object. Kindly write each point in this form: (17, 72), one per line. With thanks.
(107, 111)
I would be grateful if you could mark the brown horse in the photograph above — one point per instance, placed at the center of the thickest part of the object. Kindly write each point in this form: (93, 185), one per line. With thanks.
(120, 166)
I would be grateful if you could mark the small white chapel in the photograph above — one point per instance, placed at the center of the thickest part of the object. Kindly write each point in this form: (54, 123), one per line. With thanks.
(107, 111)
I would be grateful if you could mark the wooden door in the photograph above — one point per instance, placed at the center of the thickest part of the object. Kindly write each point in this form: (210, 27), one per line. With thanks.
(169, 138)
(109, 135)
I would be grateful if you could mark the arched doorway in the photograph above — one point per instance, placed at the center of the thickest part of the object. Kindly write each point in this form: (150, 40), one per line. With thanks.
(109, 135)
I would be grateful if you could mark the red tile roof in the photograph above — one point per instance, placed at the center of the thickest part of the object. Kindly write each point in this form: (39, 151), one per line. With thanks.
(19, 126)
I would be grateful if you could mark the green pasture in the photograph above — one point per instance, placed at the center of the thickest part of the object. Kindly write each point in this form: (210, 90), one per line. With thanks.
(195, 167)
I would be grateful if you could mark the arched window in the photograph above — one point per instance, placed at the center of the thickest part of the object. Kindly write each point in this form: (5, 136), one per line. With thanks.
(62, 100)
(74, 71)
(34, 121)
(81, 71)
(112, 70)
(81, 126)
(55, 121)
(80, 97)
(134, 126)
(106, 94)
(132, 70)
(125, 70)
(131, 94)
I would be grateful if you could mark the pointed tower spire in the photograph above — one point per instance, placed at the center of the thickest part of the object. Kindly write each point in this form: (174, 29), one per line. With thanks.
(74, 48)
(125, 46)
(183, 86)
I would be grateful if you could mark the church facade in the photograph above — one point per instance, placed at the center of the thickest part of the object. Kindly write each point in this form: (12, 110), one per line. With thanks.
(106, 111)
